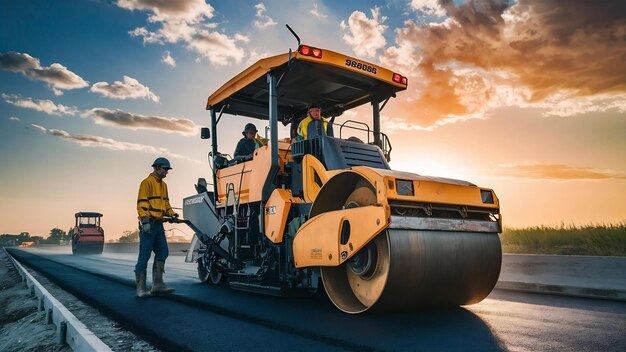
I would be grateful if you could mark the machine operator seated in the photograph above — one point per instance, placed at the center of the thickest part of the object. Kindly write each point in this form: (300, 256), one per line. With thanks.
(314, 124)
(246, 145)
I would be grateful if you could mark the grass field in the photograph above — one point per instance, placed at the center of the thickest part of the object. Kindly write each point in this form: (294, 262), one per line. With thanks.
(595, 239)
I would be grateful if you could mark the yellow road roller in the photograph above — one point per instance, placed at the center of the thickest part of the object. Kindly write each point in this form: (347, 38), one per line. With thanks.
(327, 211)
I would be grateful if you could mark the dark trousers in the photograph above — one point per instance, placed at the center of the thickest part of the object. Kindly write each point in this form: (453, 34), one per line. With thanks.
(151, 242)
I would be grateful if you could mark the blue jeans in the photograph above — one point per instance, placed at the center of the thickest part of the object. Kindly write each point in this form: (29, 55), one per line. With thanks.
(149, 242)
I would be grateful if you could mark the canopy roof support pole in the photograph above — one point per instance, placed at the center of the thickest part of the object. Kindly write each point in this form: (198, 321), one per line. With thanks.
(376, 114)
(273, 143)
(214, 153)
(273, 114)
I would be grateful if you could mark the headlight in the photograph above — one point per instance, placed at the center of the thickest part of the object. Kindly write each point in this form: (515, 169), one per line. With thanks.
(405, 188)
(487, 196)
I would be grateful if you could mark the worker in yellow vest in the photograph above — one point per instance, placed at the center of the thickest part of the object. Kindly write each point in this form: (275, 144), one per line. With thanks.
(314, 124)
(152, 204)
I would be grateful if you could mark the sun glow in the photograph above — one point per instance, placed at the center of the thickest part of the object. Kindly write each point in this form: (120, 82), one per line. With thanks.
(440, 167)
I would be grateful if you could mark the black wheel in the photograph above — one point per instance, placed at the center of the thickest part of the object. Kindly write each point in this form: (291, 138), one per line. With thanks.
(216, 276)
(75, 245)
(207, 273)
(203, 272)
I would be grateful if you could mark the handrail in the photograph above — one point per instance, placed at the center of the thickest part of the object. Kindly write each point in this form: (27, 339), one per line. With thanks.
(386, 143)
(356, 128)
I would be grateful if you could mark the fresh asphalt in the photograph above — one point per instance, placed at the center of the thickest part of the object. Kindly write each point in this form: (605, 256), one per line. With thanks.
(203, 317)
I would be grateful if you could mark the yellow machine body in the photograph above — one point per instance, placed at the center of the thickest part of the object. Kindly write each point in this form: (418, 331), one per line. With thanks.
(247, 178)
(276, 213)
(317, 242)
(328, 210)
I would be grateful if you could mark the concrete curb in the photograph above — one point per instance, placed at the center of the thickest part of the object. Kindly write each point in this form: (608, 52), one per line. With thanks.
(586, 292)
(578, 276)
(70, 330)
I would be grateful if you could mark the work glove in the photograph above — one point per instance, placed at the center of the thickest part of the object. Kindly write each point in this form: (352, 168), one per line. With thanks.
(145, 226)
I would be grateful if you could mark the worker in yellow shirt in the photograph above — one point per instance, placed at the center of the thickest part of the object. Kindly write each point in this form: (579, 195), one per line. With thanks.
(152, 204)
(314, 124)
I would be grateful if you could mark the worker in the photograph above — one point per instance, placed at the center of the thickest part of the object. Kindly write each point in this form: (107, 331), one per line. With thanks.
(314, 124)
(249, 142)
(152, 205)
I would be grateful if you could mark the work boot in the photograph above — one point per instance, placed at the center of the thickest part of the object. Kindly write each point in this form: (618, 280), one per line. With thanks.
(158, 286)
(140, 280)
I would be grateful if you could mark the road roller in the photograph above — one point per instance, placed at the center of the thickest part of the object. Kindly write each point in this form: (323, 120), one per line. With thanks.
(328, 212)
(87, 234)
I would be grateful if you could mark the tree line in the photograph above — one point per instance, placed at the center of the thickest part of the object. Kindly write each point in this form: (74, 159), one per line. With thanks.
(56, 236)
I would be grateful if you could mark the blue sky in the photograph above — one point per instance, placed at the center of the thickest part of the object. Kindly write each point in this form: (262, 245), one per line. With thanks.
(85, 145)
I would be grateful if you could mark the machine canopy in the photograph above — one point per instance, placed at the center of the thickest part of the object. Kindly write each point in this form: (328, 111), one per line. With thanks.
(335, 81)
(84, 214)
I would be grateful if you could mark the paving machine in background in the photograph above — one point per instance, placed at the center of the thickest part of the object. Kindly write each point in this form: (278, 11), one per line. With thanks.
(87, 234)
(299, 215)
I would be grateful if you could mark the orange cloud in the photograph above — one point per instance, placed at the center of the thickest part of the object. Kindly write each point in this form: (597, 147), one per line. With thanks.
(556, 172)
(487, 54)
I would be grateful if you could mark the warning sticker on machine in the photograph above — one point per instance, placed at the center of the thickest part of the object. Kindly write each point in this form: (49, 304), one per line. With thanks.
(316, 253)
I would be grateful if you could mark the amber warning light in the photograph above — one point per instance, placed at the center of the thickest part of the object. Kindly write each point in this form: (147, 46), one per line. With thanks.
(310, 51)
(398, 78)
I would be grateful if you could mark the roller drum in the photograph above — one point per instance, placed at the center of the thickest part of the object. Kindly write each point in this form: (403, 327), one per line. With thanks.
(417, 268)
(440, 268)
(407, 268)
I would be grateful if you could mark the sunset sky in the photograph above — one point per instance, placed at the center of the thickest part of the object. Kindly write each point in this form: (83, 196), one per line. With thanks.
(526, 97)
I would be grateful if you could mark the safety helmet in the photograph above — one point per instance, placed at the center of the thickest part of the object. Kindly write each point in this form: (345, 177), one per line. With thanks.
(249, 127)
(162, 162)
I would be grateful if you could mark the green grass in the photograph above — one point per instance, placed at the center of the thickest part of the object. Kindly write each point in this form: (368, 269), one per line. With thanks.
(594, 239)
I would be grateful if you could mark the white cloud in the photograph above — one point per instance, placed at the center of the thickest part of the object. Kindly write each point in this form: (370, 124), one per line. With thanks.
(168, 59)
(428, 7)
(47, 106)
(316, 12)
(217, 48)
(118, 118)
(254, 56)
(178, 9)
(263, 21)
(404, 57)
(57, 76)
(108, 143)
(129, 89)
(365, 35)
(187, 21)
(241, 38)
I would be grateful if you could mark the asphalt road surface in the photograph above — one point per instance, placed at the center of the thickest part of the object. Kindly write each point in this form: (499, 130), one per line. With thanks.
(202, 317)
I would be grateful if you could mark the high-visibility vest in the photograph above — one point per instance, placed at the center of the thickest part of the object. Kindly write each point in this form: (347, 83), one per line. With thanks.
(259, 141)
(304, 124)
(152, 200)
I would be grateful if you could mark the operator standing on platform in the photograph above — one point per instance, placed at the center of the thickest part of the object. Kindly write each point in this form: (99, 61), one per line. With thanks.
(152, 204)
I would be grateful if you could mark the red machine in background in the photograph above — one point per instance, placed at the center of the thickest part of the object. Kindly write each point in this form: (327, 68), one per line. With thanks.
(87, 235)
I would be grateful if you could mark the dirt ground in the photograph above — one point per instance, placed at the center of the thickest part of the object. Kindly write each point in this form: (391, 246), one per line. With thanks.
(22, 328)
